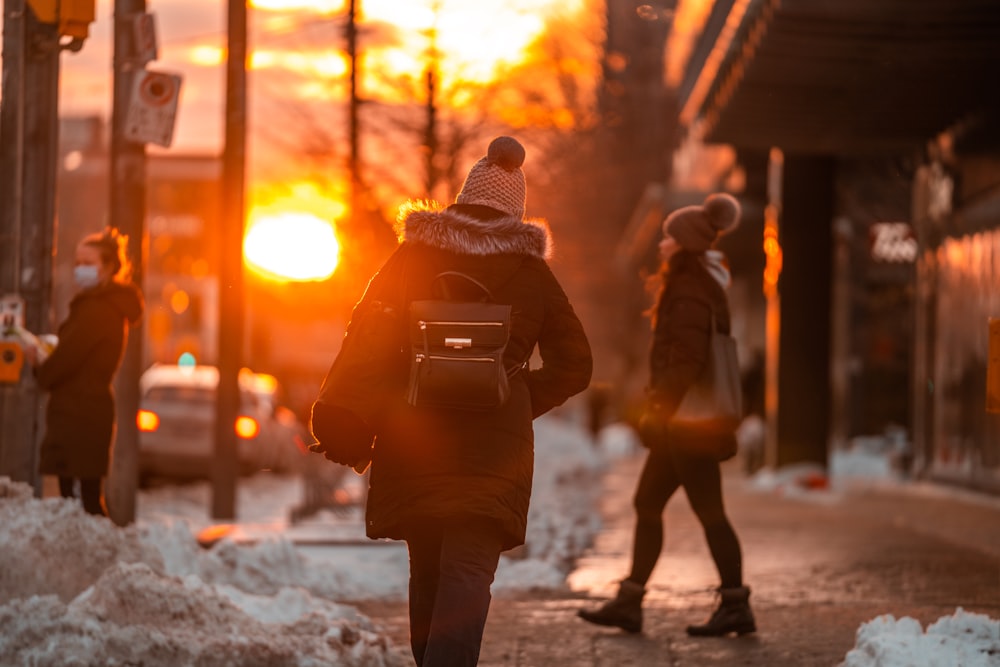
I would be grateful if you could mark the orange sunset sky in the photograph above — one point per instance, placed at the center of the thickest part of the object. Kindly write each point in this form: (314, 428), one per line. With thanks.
(297, 51)
(298, 83)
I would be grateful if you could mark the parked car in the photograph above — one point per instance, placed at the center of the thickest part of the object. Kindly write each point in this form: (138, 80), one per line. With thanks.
(176, 422)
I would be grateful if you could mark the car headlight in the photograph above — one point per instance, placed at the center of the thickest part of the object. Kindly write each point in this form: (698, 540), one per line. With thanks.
(247, 427)
(147, 420)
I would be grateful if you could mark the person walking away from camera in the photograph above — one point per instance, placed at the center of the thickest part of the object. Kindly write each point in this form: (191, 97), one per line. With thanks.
(455, 484)
(692, 298)
(80, 416)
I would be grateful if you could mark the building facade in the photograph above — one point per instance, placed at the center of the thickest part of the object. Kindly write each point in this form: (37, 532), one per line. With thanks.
(879, 125)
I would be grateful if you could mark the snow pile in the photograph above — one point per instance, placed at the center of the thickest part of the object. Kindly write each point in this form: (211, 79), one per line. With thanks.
(966, 639)
(798, 480)
(562, 520)
(52, 547)
(263, 568)
(78, 590)
(134, 615)
(82, 591)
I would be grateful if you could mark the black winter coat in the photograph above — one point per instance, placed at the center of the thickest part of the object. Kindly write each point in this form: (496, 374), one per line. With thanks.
(443, 464)
(691, 295)
(80, 417)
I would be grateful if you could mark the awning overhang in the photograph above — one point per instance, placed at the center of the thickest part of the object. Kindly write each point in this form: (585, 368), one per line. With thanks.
(842, 76)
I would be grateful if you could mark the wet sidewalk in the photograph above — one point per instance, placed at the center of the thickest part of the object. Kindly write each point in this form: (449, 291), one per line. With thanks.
(820, 564)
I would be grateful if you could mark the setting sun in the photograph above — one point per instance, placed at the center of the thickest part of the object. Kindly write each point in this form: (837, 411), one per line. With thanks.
(291, 247)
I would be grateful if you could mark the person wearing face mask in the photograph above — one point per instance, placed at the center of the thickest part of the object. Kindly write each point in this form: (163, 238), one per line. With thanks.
(80, 416)
(692, 299)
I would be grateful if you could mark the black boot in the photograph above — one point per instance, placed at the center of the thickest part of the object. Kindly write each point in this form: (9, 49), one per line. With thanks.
(624, 611)
(733, 615)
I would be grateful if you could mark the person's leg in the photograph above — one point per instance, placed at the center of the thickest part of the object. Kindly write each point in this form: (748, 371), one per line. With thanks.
(702, 481)
(90, 494)
(424, 546)
(470, 552)
(703, 484)
(657, 484)
(66, 485)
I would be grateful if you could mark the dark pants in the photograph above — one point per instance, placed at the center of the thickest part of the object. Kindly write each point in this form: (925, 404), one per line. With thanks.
(664, 472)
(90, 493)
(451, 569)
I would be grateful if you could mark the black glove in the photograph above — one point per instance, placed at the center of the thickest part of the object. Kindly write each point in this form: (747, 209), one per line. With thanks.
(342, 436)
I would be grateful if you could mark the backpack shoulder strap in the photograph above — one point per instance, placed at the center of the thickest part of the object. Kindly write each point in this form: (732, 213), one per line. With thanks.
(441, 281)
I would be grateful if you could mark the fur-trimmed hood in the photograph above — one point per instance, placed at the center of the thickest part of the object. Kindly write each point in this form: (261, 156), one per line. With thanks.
(422, 222)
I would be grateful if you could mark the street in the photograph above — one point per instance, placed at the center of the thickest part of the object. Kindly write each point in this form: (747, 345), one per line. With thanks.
(819, 565)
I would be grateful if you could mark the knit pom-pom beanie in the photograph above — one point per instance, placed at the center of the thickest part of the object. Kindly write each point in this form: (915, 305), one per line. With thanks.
(496, 180)
(696, 228)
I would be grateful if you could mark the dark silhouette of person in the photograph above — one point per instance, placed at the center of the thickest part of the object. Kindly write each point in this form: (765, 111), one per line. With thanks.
(78, 374)
(691, 301)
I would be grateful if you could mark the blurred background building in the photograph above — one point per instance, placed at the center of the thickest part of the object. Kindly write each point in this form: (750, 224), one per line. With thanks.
(886, 179)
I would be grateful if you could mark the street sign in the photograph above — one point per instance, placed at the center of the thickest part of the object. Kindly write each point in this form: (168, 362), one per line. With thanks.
(144, 33)
(152, 107)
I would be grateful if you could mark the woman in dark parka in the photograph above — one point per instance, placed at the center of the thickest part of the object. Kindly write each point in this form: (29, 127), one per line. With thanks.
(691, 301)
(80, 416)
(455, 484)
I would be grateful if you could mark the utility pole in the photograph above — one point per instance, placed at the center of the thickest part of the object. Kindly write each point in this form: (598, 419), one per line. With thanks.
(29, 138)
(127, 207)
(231, 307)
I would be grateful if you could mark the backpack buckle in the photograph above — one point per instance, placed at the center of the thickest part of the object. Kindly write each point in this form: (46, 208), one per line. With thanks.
(458, 343)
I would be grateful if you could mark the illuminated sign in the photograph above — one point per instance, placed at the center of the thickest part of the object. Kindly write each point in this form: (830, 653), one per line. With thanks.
(893, 242)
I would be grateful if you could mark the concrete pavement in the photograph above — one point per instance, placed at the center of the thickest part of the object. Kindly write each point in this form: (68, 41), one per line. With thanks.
(819, 565)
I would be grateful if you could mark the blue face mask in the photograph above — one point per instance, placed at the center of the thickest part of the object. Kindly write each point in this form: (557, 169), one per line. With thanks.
(85, 275)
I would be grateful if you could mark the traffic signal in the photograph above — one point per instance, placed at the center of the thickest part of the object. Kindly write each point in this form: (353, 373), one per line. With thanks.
(73, 16)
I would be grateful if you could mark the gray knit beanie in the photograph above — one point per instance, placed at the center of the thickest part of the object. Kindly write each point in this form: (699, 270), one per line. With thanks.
(497, 180)
(696, 228)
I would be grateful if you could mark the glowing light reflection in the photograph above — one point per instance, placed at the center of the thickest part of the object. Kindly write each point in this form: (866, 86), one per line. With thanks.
(206, 55)
(319, 6)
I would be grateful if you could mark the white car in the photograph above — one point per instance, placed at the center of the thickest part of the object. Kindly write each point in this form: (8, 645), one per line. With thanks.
(176, 422)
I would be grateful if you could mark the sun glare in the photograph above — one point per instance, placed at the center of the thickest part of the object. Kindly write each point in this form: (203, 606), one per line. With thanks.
(320, 6)
(207, 56)
(476, 39)
(464, 33)
(291, 247)
(325, 63)
(485, 45)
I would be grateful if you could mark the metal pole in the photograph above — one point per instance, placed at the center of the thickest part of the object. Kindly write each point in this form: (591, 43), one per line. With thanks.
(231, 306)
(29, 127)
(12, 396)
(772, 335)
(127, 207)
(12, 143)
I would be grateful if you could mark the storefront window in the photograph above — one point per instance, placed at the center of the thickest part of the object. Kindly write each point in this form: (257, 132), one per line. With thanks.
(967, 438)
